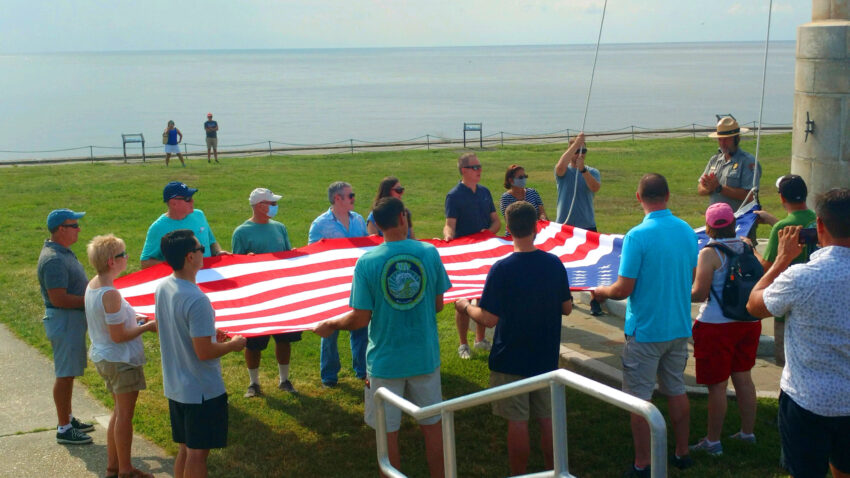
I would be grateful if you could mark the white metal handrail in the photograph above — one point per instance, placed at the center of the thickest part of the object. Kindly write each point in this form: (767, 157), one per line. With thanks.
(555, 380)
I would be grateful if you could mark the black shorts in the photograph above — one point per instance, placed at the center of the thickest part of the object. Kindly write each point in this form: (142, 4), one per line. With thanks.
(811, 442)
(200, 426)
(260, 342)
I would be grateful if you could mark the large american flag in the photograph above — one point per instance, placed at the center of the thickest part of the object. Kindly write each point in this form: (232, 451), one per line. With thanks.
(290, 291)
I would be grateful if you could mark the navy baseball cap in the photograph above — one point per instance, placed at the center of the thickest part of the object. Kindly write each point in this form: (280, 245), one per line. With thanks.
(177, 189)
(792, 188)
(58, 216)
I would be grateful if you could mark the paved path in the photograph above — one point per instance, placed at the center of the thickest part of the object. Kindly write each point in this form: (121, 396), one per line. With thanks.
(28, 422)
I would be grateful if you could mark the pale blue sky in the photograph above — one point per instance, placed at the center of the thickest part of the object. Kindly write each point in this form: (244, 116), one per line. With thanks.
(88, 25)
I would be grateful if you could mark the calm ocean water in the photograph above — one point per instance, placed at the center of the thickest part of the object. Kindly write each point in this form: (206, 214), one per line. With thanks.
(69, 100)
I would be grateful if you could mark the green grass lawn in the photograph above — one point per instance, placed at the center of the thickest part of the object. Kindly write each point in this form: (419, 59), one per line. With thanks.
(321, 432)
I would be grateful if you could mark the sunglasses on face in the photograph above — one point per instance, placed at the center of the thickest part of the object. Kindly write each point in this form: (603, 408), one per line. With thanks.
(476, 167)
(118, 256)
(72, 226)
(200, 249)
(187, 199)
(524, 176)
(581, 151)
(399, 189)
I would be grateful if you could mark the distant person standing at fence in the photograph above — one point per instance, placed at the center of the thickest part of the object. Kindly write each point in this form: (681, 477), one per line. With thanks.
(656, 273)
(172, 138)
(396, 292)
(211, 128)
(524, 297)
(181, 214)
(469, 209)
(63, 282)
(340, 221)
(260, 235)
(576, 183)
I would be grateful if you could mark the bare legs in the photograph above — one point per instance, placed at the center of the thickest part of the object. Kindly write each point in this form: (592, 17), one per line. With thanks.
(119, 435)
(462, 321)
(63, 389)
(179, 156)
(190, 463)
(433, 449)
(680, 412)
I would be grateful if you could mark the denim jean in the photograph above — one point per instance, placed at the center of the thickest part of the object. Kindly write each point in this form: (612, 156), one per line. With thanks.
(329, 358)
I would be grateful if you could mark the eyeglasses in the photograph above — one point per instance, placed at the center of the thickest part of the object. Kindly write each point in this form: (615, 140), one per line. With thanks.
(118, 256)
(187, 199)
(76, 225)
(351, 196)
(476, 167)
(200, 249)
(581, 151)
(399, 189)
(524, 176)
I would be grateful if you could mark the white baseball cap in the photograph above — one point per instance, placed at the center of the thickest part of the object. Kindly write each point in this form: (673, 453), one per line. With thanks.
(262, 194)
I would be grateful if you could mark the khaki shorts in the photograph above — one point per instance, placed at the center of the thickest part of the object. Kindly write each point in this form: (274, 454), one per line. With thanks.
(519, 408)
(644, 363)
(212, 143)
(421, 390)
(121, 377)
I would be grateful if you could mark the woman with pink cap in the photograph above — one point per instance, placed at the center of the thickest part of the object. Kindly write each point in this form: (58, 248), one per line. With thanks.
(723, 347)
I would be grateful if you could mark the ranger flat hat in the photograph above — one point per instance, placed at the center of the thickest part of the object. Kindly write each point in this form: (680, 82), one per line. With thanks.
(726, 127)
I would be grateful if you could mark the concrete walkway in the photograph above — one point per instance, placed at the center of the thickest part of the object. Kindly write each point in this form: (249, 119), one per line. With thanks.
(592, 346)
(28, 422)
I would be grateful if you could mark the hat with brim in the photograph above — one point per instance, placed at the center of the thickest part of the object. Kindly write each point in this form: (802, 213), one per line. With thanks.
(719, 215)
(177, 189)
(58, 216)
(262, 194)
(727, 127)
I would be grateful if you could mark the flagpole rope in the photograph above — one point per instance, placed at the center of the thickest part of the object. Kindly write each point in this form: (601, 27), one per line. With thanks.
(587, 104)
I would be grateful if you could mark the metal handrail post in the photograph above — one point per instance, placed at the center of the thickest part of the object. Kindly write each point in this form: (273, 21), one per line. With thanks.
(449, 450)
(559, 429)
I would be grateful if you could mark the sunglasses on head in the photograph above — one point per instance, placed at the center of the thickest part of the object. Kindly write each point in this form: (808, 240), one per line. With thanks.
(581, 150)
(118, 256)
(72, 226)
(399, 189)
(476, 167)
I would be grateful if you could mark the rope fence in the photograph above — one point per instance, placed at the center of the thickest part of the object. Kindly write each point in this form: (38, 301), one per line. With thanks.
(352, 145)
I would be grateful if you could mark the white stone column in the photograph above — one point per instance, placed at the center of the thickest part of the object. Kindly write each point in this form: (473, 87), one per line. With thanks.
(822, 89)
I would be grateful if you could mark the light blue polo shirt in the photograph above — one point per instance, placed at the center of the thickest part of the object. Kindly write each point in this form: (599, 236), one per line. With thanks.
(327, 226)
(661, 254)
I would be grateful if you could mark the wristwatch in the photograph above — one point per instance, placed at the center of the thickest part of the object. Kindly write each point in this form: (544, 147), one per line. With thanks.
(583, 170)
(718, 189)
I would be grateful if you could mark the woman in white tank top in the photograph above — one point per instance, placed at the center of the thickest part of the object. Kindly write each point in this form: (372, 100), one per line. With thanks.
(116, 349)
(723, 347)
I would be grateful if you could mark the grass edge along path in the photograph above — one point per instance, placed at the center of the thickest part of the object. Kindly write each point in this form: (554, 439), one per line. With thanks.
(320, 432)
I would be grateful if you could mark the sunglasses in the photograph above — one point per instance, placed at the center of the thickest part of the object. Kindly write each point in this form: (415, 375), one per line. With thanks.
(118, 256)
(200, 249)
(581, 151)
(76, 225)
(399, 189)
(524, 176)
(187, 199)
(476, 167)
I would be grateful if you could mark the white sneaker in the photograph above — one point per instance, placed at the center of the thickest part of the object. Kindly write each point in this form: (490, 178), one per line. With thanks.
(484, 345)
(463, 352)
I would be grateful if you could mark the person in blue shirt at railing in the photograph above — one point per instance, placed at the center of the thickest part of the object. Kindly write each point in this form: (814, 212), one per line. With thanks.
(171, 138)
(524, 296)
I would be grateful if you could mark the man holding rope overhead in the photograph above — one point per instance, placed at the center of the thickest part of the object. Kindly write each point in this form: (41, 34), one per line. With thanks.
(576, 183)
(731, 173)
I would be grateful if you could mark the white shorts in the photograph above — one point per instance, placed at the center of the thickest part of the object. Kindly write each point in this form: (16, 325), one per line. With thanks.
(172, 149)
(421, 390)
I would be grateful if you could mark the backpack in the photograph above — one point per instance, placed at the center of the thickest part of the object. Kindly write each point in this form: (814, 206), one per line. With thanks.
(742, 272)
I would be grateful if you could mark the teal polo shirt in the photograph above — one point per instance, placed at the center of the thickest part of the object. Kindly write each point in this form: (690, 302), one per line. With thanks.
(660, 253)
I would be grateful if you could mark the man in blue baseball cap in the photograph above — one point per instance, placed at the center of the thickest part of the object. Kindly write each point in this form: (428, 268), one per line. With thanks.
(181, 214)
(63, 282)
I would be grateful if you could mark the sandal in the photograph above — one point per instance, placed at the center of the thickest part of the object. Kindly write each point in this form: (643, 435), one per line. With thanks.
(111, 473)
(135, 473)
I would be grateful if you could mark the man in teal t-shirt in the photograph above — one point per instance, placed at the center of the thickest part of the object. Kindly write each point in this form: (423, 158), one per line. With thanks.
(792, 193)
(260, 235)
(397, 290)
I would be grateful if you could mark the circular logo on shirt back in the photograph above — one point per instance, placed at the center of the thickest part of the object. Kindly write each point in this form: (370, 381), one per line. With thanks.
(403, 282)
